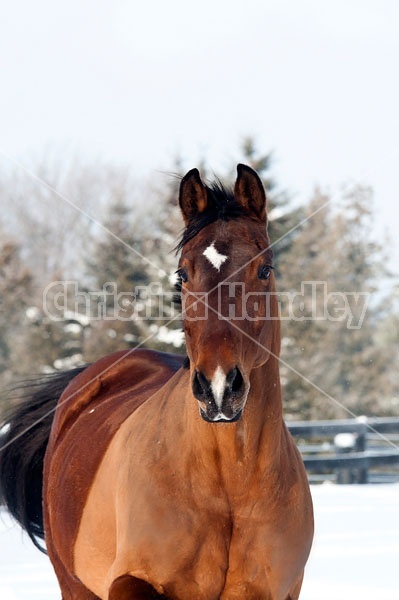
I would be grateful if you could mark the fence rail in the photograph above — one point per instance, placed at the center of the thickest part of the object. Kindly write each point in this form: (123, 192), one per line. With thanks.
(349, 450)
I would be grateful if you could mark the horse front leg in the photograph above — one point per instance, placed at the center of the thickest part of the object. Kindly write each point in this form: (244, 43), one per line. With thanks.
(127, 587)
(294, 595)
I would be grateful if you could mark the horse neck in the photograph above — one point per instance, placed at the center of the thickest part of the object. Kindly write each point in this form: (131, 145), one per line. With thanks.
(253, 442)
(263, 416)
(263, 413)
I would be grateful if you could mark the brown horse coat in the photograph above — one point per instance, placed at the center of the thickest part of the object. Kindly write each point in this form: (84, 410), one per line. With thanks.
(160, 528)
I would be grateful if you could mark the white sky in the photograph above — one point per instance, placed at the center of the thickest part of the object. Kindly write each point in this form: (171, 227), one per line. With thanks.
(317, 82)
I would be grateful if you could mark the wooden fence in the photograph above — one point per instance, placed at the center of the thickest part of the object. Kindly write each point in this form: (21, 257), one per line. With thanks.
(350, 450)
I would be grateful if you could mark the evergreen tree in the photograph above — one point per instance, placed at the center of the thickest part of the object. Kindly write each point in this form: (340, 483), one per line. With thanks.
(117, 268)
(387, 341)
(15, 292)
(338, 353)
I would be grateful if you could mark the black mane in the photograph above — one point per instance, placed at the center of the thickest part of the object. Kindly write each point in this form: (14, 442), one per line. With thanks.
(221, 206)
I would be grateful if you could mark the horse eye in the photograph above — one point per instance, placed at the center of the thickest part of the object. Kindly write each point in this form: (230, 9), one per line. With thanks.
(183, 275)
(264, 271)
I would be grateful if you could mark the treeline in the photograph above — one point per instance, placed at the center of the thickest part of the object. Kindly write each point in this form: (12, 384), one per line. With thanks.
(87, 266)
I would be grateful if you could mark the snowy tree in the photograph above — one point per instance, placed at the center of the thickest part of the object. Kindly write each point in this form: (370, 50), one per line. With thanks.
(330, 339)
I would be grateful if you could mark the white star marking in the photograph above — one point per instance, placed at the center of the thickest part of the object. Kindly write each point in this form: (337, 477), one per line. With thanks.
(215, 258)
(218, 385)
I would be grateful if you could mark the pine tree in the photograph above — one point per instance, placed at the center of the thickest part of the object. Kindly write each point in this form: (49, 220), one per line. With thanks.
(117, 268)
(15, 292)
(338, 355)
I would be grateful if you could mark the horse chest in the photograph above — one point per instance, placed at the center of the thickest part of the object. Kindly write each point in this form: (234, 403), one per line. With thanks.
(193, 544)
(183, 541)
(180, 530)
(191, 553)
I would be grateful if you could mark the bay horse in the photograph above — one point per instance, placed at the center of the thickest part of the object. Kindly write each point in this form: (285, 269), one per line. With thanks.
(167, 477)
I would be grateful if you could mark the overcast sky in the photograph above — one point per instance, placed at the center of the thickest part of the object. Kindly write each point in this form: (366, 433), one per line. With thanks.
(317, 82)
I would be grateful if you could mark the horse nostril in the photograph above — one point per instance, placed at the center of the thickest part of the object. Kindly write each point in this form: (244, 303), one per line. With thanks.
(201, 386)
(229, 386)
(235, 381)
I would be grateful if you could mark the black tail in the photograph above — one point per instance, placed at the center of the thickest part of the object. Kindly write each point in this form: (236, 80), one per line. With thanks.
(24, 433)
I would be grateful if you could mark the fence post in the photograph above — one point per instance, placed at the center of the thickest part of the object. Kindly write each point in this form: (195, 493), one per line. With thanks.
(361, 441)
(344, 443)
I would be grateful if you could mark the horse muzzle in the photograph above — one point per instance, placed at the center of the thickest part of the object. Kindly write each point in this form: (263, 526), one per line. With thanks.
(222, 398)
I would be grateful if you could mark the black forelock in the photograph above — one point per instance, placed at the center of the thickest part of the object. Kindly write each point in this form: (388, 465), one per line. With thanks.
(222, 205)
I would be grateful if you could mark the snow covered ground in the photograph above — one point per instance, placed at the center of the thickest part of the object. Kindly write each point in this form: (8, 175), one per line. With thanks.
(355, 554)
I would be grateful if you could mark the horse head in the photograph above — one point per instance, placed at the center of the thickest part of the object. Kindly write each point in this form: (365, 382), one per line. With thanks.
(230, 311)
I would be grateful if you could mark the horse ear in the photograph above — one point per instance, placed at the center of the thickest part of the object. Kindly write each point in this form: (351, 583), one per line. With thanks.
(193, 197)
(250, 192)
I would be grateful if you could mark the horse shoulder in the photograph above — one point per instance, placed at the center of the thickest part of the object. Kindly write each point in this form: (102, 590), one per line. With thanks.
(90, 412)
